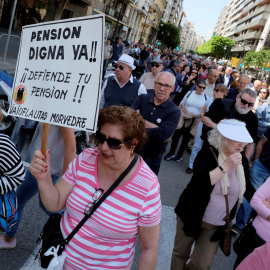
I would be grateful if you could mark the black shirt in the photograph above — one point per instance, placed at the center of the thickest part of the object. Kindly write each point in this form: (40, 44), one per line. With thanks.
(265, 154)
(233, 92)
(166, 116)
(225, 109)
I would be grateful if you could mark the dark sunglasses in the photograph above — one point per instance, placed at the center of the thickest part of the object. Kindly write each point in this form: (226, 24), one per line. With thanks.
(201, 87)
(112, 143)
(118, 66)
(217, 90)
(155, 65)
(243, 101)
(194, 73)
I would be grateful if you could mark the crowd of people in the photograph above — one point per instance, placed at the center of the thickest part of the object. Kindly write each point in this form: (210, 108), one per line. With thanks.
(223, 118)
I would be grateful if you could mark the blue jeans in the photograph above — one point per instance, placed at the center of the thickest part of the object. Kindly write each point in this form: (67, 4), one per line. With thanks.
(24, 193)
(258, 175)
(197, 146)
(153, 163)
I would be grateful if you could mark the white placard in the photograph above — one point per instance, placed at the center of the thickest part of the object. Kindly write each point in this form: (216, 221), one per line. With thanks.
(58, 73)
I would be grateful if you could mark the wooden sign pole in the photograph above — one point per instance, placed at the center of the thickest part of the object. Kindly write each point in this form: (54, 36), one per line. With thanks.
(45, 134)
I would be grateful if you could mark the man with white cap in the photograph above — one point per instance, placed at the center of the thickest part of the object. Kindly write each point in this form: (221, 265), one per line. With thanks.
(150, 58)
(122, 89)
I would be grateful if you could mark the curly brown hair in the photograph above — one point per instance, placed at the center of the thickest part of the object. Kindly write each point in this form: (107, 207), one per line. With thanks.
(131, 122)
(222, 88)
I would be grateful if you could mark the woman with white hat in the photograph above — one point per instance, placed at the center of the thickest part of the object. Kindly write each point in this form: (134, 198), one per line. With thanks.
(219, 170)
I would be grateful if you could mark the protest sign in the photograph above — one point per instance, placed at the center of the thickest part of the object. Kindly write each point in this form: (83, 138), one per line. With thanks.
(58, 73)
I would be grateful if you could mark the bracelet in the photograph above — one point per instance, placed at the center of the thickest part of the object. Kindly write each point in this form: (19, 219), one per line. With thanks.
(221, 168)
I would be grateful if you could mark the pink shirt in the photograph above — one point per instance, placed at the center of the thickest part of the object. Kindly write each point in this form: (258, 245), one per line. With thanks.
(260, 223)
(257, 260)
(215, 211)
(107, 239)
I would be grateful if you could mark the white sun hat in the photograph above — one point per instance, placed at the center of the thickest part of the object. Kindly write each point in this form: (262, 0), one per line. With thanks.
(234, 130)
(126, 59)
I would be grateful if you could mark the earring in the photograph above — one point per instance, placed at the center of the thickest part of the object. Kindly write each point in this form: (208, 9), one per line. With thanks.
(132, 152)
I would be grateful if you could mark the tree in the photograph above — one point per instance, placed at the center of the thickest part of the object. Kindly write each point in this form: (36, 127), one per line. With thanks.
(169, 35)
(257, 58)
(217, 47)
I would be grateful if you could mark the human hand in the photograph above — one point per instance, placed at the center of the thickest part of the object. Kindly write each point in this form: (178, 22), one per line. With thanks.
(40, 165)
(266, 203)
(232, 161)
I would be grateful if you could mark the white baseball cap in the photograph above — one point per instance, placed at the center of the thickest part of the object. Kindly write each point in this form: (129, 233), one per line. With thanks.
(234, 130)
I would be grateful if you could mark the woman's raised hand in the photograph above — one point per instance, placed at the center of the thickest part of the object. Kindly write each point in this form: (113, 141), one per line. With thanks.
(40, 165)
(232, 161)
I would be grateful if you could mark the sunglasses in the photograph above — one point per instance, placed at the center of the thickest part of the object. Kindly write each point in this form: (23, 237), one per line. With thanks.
(217, 90)
(96, 196)
(120, 67)
(201, 87)
(155, 65)
(243, 101)
(194, 73)
(112, 143)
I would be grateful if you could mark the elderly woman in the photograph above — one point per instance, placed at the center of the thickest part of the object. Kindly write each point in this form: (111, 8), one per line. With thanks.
(133, 208)
(191, 107)
(220, 91)
(201, 208)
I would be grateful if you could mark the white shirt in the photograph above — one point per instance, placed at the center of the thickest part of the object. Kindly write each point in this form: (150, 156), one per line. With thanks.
(141, 90)
(194, 102)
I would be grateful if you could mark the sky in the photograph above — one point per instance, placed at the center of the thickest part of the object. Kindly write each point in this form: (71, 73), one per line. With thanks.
(204, 14)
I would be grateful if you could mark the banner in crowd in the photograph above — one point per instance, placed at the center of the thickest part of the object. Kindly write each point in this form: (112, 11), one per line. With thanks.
(58, 73)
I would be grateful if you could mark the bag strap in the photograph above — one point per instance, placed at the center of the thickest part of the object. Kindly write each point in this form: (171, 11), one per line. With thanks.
(95, 206)
(227, 218)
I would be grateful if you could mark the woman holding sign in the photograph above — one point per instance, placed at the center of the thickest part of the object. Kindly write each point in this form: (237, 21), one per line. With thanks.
(107, 239)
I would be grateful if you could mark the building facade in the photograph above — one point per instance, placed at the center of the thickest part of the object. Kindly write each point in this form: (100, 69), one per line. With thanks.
(247, 22)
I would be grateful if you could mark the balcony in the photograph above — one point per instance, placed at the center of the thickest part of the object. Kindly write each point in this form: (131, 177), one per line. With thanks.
(265, 8)
(116, 14)
(241, 48)
(250, 35)
(256, 24)
(257, 3)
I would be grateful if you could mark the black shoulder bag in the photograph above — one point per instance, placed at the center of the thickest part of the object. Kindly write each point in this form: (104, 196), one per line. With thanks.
(51, 234)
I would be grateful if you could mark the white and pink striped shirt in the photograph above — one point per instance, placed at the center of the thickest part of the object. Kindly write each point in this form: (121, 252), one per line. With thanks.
(107, 239)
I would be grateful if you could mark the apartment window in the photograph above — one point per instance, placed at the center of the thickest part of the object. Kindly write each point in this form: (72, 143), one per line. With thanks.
(256, 18)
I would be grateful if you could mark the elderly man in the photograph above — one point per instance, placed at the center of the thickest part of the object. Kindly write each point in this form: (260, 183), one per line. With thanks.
(226, 78)
(239, 109)
(212, 77)
(257, 86)
(122, 89)
(150, 58)
(161, 118)
(149, 78)
(176, 71)
(243, 82)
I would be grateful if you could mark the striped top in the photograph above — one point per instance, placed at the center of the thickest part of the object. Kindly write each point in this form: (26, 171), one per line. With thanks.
(107, 239)
(11, 168)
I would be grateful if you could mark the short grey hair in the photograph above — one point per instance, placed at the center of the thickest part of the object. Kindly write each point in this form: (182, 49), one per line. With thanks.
(248, 91)
(178, 63)
(244, 76)
(168, 73)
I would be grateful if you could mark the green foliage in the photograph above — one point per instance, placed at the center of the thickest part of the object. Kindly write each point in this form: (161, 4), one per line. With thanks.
(217, 46)
(169, 35)
(257, 58)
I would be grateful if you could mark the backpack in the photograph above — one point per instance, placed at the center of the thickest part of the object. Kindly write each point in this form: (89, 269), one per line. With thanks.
(8, 211)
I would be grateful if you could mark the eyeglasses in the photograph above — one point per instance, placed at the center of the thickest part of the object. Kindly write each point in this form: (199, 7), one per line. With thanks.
(96, 196)
(194, 73)
(112, 143)
(201, 87)
(243, 101)
(166, 86)
(155, 65)
(120, 67)
(217, 90)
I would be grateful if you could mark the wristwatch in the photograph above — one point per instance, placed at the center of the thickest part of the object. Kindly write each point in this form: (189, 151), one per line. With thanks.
(221, 168)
